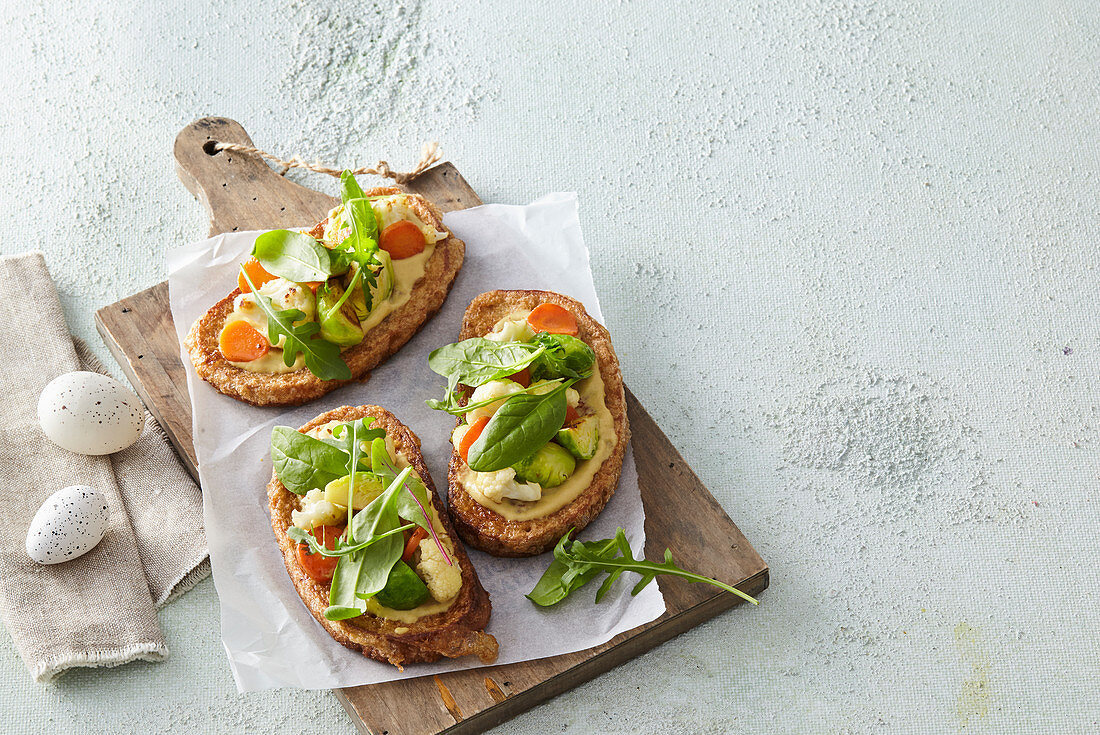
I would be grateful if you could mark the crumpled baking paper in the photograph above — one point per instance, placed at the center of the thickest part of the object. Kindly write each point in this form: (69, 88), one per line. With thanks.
(269, 636)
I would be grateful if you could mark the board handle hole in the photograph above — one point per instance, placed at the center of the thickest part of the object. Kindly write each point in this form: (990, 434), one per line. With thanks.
(210, 148)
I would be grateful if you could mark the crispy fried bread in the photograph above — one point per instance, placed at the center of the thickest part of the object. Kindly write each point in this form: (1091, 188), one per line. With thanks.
(300, 386)
(481, 527)
(456, 632)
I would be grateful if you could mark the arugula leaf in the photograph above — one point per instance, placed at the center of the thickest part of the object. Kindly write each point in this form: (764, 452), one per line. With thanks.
(576, 563)
(351, 436)
(294, 256)
(342, 548)
(560, 578)
(452, 406)
(412, 505)
(349, 187)
(373, 521)
(362, 243)
(518, 428)
(322, 358)
(343, 603)
(303, 463)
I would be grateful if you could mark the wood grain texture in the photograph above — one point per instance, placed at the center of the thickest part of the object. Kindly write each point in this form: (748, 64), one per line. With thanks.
(242, 192)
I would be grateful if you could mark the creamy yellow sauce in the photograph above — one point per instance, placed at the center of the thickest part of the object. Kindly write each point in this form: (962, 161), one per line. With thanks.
(431, 607)
(406, 272)
(555, 498)
(271, 363)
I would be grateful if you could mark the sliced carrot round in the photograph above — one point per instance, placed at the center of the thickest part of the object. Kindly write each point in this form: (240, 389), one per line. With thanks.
(523, 377)
(413, 543)
(256, 272)
(402, 240)
(319, 567)
(553, 319)
(240, 342)
(470, 437)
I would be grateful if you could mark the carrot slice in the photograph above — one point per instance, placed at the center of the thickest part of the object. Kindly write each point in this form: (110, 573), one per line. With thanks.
(402, 240)
(414, 543)
(256, 272)
(319, 567)
(553, 319)
(523, 377)
(470, 437)
(240, 342)
(571, 415)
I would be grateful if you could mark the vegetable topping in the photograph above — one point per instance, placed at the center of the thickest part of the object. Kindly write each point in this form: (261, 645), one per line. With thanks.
(256, 271)
(317, 566)
(370, 556)
(239, 342)
(552, 318)
(402, 240)
(522, 432)
(350, 273)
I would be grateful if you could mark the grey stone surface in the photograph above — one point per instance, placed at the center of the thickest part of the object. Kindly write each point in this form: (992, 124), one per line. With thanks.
(848, 254)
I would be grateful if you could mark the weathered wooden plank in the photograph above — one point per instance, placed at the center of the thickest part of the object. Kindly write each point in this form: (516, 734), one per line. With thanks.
(241, 192)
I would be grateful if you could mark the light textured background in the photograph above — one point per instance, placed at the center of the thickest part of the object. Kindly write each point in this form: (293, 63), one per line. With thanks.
(847, 251)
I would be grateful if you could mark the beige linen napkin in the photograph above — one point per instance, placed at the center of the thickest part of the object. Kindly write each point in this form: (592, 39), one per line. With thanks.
(100, 609)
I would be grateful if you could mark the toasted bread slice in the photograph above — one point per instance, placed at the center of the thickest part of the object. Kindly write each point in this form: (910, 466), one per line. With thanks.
(483, 528)
(458, 631)
(388, 336)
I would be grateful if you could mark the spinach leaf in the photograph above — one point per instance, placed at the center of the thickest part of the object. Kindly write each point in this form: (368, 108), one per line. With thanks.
(519, 427)
(322, 358)
(303, 463)
(343, 603)
(476, 361)
(564, 356)
(294, 256)
(374, 520)
(577, 563)
(451, 404)
(412, 505)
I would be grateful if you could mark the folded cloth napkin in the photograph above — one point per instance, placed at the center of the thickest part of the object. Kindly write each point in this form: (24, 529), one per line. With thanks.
(99, 609)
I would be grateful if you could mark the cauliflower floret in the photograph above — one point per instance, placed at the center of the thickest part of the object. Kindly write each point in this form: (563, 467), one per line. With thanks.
(459, 433)
(316, 511)
(514, 329)
(444, 580)
(496, 486)
(493, 389)
(572, 397)
(284, 294)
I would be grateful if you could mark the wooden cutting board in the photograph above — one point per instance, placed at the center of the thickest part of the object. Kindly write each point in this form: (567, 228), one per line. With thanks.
(242, 193)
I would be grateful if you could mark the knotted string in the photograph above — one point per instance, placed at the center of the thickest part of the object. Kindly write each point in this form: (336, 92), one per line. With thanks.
(429, 156)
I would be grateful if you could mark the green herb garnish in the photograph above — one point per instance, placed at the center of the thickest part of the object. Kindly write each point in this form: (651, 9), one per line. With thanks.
(295, 256)
(303, 463)
(524, 423)
(321, 357)
(576, 563)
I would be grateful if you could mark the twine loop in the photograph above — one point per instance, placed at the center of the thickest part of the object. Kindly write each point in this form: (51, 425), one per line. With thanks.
(429, 156)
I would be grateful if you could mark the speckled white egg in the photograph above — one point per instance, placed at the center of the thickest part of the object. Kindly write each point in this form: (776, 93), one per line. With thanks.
(69, 524)
(89, 413)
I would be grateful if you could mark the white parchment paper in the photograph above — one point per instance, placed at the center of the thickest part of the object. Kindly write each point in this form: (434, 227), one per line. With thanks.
(269, 636)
